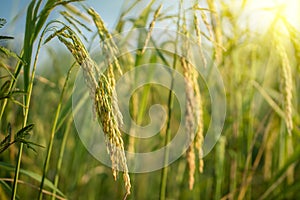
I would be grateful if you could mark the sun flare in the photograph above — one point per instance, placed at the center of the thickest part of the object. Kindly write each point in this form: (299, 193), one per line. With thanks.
(264, 12)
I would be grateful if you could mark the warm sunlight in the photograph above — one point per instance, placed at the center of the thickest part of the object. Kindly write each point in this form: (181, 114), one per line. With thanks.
(264, 12)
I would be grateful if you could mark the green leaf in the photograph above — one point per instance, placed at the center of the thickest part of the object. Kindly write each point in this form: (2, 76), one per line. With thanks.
(2, 22)
(8, 52)
(279, 176)
(7, 188)
(29, 143)
(5, 95)
(6, 142)
(8, 137)
(34, 176)
(4, 88)
(24, 131)
(269, 99)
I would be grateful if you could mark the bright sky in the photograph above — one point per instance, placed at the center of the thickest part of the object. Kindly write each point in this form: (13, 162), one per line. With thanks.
(262, 12)
(258, 12)
(109, 10)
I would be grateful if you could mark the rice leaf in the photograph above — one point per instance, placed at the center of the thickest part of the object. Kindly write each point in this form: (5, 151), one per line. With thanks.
(34, 176)
(24, 131)
(269, 100)
(7, 188)
(8, 52)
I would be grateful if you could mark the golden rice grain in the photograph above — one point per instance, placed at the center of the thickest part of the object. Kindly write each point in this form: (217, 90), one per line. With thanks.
(151, 26)
(287, 85)
(101, 89)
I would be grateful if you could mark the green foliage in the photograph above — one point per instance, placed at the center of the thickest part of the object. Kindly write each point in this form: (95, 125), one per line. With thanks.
(20, 137)
(2, 22)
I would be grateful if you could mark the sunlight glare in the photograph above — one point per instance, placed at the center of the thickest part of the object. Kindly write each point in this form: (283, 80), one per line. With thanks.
(264, 12)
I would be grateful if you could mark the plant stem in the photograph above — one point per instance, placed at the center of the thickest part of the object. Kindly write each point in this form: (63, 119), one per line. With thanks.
(28, 88)
(61, 154)
(53, 131)
(164, 172)
(63, 145)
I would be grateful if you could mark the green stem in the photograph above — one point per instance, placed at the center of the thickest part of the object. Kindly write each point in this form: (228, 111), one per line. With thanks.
(53, 131)
(28, 89)
(12, 85)
(17, 170)
(63, 145)
(164, 172)
(60, 158)
(219, 166)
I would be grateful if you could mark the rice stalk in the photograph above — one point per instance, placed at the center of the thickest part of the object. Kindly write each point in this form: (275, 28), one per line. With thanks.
(109, 47)
(151, 26)
(73, 21)
(73, 9)
(199, 40)
(268, 99)
(138, 106)
(121, 20)
(291, 170)
(200, 123)
(115, 146)
(211, 34)
(134, 110)
(198, 101)
(207, 25)
(248, 174)
(34, 22)
(68, 15)
(60, 157)
(270, 142)
(217, 28)
(105, 103)
(193, 119)
(164, 172)
(27, 98)
(194, 113)
(287, 86)
(293, 33)
(54, 125)
(219, 166)
(190, 156)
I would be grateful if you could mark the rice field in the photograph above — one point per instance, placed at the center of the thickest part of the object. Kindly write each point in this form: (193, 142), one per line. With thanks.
(184, 100)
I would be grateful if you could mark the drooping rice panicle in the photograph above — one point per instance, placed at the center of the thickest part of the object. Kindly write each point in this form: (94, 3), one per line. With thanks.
(110, 51)
(199, 40)
(287, 85)
(109, 47)
(217, 28)
(191, 165)
(105, 103)
(194, 111)
(199, 119)
(151, 26)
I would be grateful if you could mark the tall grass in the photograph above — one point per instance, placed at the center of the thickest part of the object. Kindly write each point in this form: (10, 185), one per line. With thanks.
(256, 157)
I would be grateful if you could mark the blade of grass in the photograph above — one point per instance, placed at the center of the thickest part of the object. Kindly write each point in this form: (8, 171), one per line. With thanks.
(63, 144)
(27, 58)
(281, 174)
(33, 175)
(268, 99)
(53, 131)
(164, 172)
